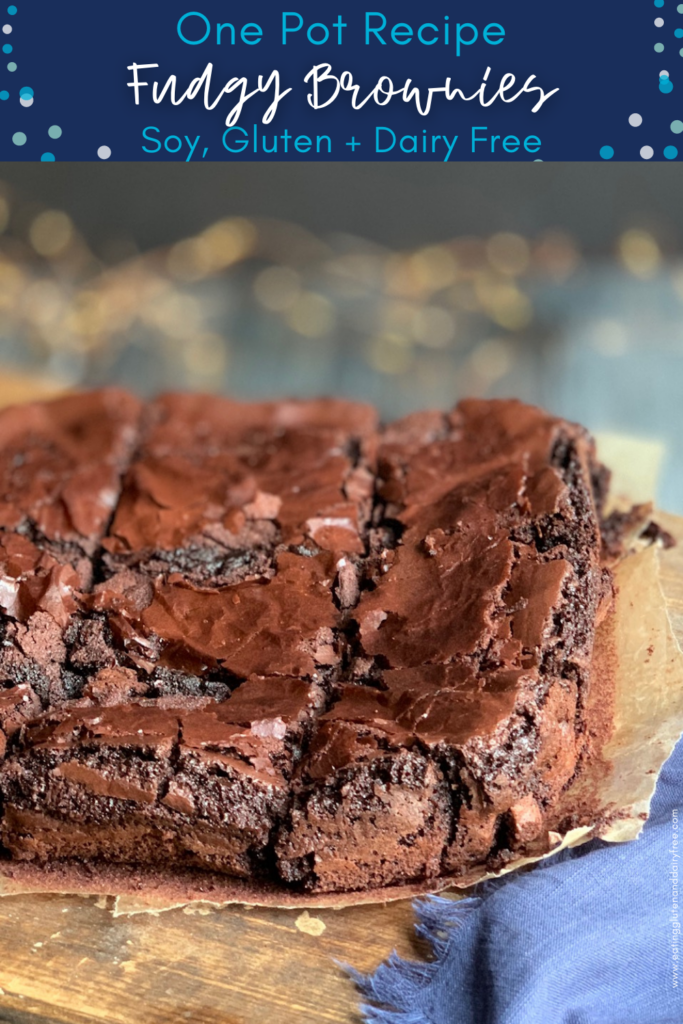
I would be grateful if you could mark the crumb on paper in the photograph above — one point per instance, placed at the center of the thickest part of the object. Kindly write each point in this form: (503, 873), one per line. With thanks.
(310, 925)
(197, 908)
(128, 966)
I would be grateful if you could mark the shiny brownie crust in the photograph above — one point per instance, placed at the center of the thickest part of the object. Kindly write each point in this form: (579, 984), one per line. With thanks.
(281, 642)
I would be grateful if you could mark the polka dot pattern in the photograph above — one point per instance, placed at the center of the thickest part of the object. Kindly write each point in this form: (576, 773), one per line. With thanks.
(25, 95)
(635, 120)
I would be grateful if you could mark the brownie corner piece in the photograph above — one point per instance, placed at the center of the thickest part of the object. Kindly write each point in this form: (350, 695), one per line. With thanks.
(173, 782)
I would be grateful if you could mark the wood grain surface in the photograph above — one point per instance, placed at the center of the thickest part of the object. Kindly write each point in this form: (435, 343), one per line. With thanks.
(68, 960)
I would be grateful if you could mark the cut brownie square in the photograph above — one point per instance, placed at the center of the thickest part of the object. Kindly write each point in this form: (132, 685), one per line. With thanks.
(182, 782)
(285, 624)
(370, 808)
(218, 485)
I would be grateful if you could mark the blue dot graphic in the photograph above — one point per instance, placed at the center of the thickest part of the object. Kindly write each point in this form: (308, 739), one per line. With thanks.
(26, 93)
(606, 152)
(665, 84)
(12, 9)
(4, 95)
(670, 152)
(7, 48)
(659, 3)
(679, 33)
(54, 131)
(47, 158)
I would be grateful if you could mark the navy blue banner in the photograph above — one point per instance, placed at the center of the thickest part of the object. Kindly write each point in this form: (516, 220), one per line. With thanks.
(344, 80)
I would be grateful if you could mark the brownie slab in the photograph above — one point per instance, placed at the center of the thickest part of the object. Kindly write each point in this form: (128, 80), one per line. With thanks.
(279, 642)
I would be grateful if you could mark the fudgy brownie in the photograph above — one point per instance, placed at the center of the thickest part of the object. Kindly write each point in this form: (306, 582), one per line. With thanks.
(276, 641)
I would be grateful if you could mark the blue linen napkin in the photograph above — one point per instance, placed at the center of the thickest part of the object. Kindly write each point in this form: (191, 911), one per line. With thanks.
(589, 937)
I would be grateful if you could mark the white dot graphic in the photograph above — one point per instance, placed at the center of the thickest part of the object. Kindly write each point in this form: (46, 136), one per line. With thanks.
(647, 152)
(104, 152)
(26, 101)
(659, 22)
(635, 120)
(7, 29)
(663, 74)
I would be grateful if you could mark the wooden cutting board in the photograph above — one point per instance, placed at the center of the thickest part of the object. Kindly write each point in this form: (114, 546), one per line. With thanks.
(68, 960)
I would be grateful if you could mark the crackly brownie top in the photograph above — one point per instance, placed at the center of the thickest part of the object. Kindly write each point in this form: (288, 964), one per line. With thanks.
(247, 475)
(474, 492)
(60, 464)
(243, 554)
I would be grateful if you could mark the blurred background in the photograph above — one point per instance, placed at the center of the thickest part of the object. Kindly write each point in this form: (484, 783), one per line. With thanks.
(407, 285)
